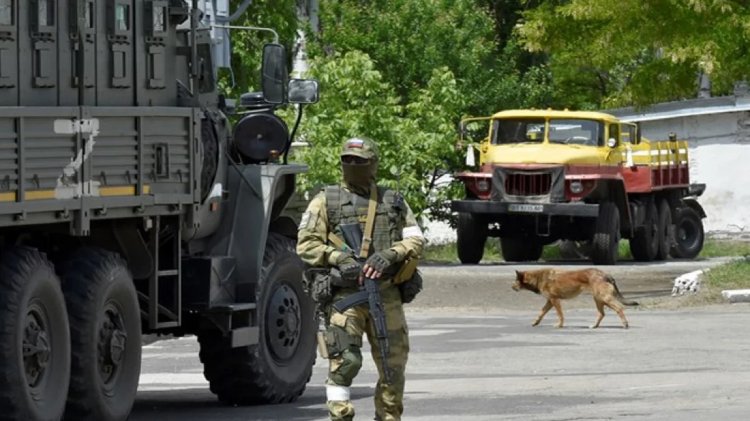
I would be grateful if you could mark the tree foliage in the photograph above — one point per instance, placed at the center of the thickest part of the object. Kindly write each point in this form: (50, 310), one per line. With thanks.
(414, 139)
(408, 39)
(607, 53)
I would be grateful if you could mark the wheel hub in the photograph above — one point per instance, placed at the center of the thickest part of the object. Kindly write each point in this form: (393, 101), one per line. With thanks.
(283, 321)
(112, 342)
(685, 233)
(36, 348)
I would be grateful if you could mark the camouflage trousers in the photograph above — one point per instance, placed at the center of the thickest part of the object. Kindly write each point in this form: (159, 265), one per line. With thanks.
(345, 366)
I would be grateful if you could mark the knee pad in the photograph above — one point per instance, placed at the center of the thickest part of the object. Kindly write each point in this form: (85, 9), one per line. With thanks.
(351, 362)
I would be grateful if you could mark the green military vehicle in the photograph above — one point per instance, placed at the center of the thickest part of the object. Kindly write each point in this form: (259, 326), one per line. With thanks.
(130, 206)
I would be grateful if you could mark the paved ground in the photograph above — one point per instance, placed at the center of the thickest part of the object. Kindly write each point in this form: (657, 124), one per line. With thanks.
(483, 361)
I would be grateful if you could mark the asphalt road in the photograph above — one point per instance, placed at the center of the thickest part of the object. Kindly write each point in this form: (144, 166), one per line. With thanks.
(476, 357)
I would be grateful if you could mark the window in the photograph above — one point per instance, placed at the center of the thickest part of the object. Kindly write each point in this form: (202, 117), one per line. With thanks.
(518, 131)
(575, 132)
(628, 133)
(89, 15)
(6, 12)
(122, 17)
(46, 13)
(614, 132)
(160, 19)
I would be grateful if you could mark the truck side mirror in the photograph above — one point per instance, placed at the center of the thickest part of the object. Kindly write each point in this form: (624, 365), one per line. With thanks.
(303, 91)
(274, 73)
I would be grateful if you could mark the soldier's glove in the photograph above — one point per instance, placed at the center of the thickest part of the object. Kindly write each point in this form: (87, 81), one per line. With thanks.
(381, 260)
(349, 269)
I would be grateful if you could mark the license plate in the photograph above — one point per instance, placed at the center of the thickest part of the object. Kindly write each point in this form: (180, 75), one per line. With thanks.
(526, 208)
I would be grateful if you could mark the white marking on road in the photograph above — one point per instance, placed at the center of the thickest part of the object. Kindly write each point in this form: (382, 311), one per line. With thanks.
(176, 355)
(430, 332)
(169, 343)
(171, 381)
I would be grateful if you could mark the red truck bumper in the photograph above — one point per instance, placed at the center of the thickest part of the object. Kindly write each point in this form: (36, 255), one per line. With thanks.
(553, 209)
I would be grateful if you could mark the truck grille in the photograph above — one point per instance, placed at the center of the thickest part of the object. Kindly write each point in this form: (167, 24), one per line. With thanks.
(528, 184)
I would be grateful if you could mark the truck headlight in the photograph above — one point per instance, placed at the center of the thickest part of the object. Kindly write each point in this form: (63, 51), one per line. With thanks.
(260, 136)
(483, 184)
(576, 187)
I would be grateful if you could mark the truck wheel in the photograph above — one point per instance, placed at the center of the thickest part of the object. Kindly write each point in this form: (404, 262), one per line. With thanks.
(665, 230)
(606, 241)
(471, 234)
(520, 249)
(277, 369)
(34, 338)
(688, 234)
(105, 327)
(645, 244)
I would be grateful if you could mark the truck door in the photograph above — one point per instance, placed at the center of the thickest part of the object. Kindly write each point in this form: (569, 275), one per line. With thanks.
(617, 151)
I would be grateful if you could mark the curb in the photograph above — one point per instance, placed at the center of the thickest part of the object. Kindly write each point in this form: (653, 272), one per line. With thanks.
(736, 295)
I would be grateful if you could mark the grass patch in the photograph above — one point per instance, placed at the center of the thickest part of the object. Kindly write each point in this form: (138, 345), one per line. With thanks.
(734, 275)
(447, 253)
(718, 248)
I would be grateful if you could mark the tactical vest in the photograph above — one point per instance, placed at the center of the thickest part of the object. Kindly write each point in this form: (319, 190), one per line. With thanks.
(344, 207)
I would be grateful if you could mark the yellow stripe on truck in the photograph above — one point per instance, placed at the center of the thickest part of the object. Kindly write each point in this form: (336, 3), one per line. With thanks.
(50, 194)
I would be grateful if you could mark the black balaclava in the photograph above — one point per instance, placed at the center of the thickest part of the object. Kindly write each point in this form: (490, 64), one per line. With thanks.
(360, 177)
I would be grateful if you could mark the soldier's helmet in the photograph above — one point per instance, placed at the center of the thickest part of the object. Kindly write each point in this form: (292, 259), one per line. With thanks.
(362, 147)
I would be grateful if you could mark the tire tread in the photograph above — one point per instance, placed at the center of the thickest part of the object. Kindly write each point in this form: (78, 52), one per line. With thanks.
(83, 275)
(16, 265)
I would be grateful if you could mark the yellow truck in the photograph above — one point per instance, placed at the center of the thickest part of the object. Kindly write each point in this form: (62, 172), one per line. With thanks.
(549, 175)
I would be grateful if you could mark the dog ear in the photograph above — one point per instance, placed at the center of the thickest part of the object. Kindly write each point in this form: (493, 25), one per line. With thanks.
(519, 275)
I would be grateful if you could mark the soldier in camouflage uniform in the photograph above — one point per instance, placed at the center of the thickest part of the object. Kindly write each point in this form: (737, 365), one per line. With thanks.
(396, 237)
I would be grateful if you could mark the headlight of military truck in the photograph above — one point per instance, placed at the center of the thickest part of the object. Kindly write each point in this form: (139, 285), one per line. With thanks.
(261, 136)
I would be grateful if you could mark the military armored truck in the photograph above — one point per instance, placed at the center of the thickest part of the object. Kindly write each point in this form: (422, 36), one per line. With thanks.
(129, 205)
(587, 177)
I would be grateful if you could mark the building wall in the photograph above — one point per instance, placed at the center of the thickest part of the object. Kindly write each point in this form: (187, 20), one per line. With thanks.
(720, 158)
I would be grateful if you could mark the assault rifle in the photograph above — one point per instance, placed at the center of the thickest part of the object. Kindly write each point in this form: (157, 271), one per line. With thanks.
(369, 293)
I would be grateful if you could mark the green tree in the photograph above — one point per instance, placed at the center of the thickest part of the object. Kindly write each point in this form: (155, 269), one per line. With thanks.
(408, 39)
(607, 53)
(414, 139)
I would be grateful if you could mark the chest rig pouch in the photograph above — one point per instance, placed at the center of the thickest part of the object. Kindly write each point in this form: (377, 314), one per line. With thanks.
(344, 207)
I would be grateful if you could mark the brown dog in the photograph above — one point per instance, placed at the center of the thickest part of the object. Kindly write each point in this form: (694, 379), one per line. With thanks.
(556, 285)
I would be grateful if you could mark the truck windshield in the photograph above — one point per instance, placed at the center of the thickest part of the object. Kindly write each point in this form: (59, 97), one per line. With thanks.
(576, 132)
(526, 130)
(561, 131)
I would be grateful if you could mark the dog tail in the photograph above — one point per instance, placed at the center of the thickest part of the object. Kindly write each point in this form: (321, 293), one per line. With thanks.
(618, 294)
